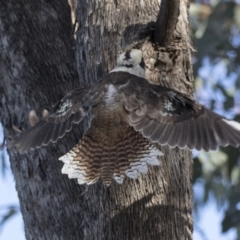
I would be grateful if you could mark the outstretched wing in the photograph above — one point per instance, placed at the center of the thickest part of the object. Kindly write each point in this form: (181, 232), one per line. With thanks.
(172, 118)
(71, 109)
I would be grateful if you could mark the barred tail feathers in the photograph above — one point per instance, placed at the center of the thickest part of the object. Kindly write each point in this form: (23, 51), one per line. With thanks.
(104, 157)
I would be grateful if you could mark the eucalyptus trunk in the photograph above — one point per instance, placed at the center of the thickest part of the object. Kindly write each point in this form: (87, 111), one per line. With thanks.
(45, 51)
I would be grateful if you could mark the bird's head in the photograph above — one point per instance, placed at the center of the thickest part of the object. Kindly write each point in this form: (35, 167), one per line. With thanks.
(131, 61)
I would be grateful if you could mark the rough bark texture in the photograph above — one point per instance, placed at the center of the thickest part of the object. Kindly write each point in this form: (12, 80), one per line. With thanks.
(37, 68)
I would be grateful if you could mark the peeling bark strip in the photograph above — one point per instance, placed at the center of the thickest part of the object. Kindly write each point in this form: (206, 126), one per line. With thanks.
(37, 69)
(166, 22)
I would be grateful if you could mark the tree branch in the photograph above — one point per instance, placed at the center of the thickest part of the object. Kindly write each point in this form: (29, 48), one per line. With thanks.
(166, 22)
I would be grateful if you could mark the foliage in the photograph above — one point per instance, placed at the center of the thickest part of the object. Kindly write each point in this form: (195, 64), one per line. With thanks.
(217, 73)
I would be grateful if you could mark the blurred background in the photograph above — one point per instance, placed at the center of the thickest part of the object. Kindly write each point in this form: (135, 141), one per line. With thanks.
(216, 179)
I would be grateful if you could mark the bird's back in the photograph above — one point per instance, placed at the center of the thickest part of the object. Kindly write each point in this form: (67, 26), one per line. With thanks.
(110, 148)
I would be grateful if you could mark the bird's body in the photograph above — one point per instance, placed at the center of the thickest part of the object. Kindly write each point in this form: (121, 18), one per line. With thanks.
(130, 117)
(110, 147)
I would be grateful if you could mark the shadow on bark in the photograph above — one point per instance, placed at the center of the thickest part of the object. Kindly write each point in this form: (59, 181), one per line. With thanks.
(131, 214)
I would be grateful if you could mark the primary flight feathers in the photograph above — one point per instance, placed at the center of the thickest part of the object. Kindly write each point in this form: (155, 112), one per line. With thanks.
(130, 116)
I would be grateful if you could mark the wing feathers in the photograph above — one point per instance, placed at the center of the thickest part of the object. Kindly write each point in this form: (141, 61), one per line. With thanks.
(71, 109)
(204, 132)
(172, 141)
(148, 129)
(161, 114)
(157, 132)
(169, 117)
(141, 124)
(231, 134)
(181, 136)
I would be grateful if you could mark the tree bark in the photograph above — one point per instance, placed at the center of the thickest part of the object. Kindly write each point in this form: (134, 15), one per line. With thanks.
(37, 67)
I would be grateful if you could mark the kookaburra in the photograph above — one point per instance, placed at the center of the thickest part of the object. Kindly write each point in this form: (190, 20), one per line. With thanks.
(130, 117)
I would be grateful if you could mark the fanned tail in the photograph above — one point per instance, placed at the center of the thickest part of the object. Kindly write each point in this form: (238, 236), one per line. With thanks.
(97, 156)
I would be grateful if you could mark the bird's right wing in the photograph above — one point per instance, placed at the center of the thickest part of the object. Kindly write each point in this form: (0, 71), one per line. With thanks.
(169, 117)
(71, 109)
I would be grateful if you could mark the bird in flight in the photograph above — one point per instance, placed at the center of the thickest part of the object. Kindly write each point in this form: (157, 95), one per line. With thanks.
(129, 118)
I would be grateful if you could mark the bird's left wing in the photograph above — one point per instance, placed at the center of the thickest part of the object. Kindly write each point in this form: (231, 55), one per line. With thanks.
(71, 109)
(171, 118)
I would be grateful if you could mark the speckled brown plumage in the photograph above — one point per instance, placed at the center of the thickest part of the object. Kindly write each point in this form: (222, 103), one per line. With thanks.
(101, 154)
(129, 115)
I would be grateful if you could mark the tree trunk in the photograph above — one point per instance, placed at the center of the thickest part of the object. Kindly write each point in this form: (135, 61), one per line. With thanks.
(37, 62)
